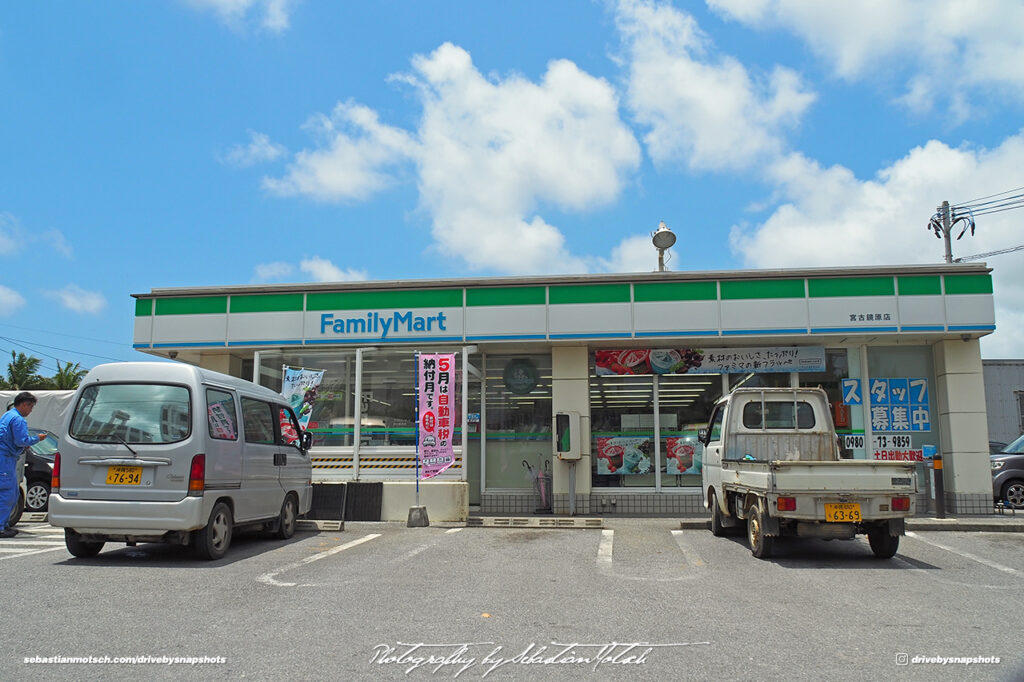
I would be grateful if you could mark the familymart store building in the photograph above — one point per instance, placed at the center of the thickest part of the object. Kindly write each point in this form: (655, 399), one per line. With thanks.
(640, 358)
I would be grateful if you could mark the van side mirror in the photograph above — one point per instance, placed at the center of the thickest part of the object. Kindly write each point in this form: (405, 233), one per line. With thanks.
(702, 436)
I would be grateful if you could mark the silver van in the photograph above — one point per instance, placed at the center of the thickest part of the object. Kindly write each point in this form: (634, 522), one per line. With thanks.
(168, 452)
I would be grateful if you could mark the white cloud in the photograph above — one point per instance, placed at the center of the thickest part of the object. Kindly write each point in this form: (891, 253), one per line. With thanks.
(634, 254)
(10, 300)
(949, 47)
(323, 270)
(701, 108)
(10, 234)
(259, 150)
(494, 151)
(353, 162)
(56, 239)
(271, 271)
(831, 218)
(77, 299)
(489, 154)
(270, 14)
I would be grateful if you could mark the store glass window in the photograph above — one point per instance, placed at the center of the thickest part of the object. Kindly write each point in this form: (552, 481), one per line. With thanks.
(685, 402)
(331, 421)
(837, 368)
(518, 421)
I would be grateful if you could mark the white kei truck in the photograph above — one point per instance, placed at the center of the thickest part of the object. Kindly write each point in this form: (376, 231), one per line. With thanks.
(772, 460)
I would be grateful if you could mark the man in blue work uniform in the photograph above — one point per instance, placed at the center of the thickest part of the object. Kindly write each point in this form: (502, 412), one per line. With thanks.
(13, 439)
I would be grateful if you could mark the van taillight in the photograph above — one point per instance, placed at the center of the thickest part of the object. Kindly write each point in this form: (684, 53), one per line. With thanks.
(197, 476)
(901, 504)
(786, 504)
(55, 475)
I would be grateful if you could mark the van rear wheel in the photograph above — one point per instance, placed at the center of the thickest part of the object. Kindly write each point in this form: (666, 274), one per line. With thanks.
(83, 549)
(212, 540)
(287, 521)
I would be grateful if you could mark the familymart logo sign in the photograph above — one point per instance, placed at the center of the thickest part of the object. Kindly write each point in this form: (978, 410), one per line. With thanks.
(380, 325)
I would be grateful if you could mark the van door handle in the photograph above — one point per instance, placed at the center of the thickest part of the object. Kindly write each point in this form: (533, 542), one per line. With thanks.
(280, 459)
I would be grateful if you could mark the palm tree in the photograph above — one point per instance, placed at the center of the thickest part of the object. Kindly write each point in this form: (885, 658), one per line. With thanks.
(68, 377)
(22, 373)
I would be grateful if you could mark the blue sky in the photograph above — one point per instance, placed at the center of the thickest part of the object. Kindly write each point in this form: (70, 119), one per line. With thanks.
(219, 142)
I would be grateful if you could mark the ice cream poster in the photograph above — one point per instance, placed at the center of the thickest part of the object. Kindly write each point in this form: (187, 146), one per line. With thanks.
(300, 388)
(683, 455)
(624, 455)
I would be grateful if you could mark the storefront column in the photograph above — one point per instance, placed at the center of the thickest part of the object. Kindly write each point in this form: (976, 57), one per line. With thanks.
(570, 392)
(963, 426)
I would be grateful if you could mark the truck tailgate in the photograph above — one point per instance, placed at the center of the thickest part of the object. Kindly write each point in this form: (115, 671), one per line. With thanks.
(848, 475)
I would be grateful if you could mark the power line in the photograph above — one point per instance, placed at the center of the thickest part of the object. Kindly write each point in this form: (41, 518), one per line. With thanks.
(964, 203)
(72, 336)
(66, 350)
(979, 256)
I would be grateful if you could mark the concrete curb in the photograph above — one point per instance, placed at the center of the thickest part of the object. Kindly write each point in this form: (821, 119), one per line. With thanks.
(997, 524)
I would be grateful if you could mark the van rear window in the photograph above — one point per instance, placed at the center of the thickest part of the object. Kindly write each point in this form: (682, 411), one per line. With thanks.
(133, 413)
(777, 415)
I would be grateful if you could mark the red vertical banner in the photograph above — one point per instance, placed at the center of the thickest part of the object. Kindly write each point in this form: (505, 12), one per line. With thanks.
(435, 377)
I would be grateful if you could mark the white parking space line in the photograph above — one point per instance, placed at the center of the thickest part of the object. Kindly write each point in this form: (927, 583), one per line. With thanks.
(453, 530)
(55, 543)
(29, 552)
(269, 578)
(691, 558)
(968, 555)
(604, 550)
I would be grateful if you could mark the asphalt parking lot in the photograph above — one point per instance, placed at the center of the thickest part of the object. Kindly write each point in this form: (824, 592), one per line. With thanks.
(379, 600)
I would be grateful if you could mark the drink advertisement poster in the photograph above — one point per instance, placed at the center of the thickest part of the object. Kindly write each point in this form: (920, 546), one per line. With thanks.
(435, 425)
(299, 388)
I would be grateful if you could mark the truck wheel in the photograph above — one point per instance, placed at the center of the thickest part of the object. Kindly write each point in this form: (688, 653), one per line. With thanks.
(882, 544)
(83, 549)
(717, 527)
(760, 544)
(212, 540)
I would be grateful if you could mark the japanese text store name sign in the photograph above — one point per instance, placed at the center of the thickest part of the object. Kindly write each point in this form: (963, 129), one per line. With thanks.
(435, 374)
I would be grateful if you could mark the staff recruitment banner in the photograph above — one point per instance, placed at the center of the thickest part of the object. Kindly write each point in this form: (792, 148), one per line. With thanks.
(435, 375)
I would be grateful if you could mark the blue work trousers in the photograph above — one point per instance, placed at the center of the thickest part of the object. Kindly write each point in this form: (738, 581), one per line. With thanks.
(8, 488)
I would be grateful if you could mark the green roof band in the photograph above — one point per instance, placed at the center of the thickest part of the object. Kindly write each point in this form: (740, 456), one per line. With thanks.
(675, 291)
(920, 285)
(368, 300)
(589, 293)
(143, 307)
(763, 288)
(505, 296)
(192, 305)
(968, 284)
(851, 286)
(266, 303)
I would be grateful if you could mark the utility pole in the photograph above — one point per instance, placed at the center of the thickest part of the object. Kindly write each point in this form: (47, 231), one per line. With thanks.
(946, 228)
